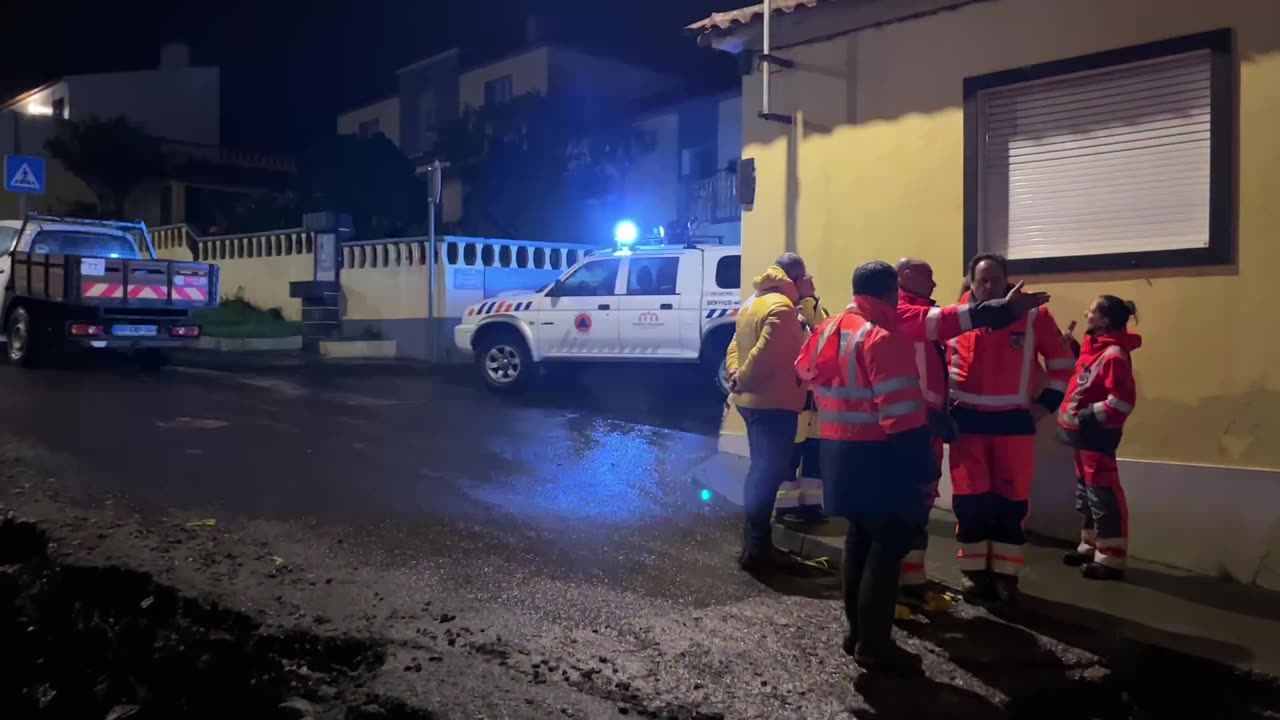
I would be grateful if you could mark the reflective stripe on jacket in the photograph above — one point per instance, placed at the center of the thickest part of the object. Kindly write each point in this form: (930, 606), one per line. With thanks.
(1102, 388)
(993, 370)
(863, 375)
(928, 325)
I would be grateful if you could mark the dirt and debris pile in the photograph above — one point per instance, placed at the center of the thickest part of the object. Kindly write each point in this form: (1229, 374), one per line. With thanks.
(90, 642)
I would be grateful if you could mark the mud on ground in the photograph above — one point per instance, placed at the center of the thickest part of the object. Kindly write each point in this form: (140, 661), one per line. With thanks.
(107, 642)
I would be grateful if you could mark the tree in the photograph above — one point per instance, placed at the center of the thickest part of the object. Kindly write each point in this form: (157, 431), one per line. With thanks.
(113, 157)
(367, 177)
(539, 167)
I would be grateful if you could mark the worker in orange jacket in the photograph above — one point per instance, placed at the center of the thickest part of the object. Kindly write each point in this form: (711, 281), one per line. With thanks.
(1091, 421)
(928, 326)
(876, 458)
(993, 454)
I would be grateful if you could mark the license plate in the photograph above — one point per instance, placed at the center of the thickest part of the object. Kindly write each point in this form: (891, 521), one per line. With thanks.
(134, 330)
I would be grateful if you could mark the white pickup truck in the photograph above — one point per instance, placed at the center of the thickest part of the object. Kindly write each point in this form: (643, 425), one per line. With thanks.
(660, 304)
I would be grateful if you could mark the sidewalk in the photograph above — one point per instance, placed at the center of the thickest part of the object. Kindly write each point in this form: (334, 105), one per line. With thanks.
(1207, 617)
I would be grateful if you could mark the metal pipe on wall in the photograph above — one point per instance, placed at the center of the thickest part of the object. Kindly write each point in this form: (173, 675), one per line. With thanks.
(765, 66)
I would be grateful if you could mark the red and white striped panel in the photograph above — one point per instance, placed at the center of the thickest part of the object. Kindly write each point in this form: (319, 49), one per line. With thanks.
(101, 290)
(189, 293)
(147, 292)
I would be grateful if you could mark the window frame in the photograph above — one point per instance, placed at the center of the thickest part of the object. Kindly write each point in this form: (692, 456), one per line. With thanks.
(501, 81)
(557, 290)
(8, 242)
(737, 276)
(1223, 149)
(628, 290)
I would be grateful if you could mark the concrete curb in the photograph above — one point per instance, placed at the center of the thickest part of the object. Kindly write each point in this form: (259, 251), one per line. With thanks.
(358, 349)
(217, 344)
(809, 547)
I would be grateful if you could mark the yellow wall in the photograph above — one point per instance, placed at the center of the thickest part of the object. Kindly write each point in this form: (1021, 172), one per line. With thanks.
(392, 288)
(260, 267)
(875, 170)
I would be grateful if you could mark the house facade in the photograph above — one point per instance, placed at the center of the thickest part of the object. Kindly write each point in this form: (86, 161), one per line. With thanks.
(1110, 147)
(691, 170)
(689, 174)
(175, 102)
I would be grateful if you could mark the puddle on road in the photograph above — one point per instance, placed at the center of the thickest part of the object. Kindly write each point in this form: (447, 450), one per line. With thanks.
(105, 642)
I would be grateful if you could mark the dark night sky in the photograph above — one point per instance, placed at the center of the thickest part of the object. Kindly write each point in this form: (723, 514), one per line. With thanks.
(289, 66)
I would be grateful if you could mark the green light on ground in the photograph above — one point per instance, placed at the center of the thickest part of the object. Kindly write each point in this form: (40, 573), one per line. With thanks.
(705, 495)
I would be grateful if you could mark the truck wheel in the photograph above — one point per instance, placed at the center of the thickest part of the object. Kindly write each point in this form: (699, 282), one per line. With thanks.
(722, 377)
(22, 339)
(714, 356)
(504, 361)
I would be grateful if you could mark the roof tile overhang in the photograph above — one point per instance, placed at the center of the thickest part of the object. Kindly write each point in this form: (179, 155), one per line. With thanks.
(737, 30)
(730, 20)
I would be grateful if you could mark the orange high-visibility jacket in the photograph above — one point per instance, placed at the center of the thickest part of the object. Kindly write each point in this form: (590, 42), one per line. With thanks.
(1102, 387)
(928, 325)
(992, 371)
(863, 375)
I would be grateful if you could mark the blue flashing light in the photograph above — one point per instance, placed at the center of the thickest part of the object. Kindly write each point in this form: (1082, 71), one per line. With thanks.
(705, 495)
(625, 233)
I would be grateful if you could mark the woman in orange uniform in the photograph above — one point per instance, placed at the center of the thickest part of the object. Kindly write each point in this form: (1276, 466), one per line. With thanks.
(1100, 398)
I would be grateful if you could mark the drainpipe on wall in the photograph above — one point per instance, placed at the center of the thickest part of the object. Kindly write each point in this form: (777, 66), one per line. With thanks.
(768, 69)
(767, 61)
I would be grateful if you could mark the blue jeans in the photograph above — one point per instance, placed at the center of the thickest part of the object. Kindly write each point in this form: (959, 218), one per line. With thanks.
(771, 435)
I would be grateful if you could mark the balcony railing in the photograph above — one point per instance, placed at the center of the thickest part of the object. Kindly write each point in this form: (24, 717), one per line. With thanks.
(223, 156)
(712, 199)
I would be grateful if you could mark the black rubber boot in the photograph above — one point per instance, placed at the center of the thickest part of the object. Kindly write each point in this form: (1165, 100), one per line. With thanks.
(892, 659)
(979, 586)
(1075, 558)
(850, 644)
(1007, 590)
(758, 560)
(913, 595)
(802, 516)
(1094, 571)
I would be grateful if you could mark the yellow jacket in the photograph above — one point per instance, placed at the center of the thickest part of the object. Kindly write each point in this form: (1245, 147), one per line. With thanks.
(768, 338)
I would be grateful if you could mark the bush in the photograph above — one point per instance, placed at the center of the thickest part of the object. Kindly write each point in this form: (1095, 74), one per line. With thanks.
(238, 318)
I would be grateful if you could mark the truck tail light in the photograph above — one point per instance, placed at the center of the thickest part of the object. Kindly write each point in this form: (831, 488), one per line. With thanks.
(184, 331)
(86, 330)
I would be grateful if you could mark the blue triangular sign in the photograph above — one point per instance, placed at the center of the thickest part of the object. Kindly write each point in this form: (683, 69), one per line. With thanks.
(24, 178)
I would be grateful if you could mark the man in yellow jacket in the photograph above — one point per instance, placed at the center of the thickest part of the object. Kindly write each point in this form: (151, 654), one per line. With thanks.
(769, 335)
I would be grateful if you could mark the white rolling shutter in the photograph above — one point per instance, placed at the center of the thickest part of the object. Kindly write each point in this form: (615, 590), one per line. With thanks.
(1106, 161)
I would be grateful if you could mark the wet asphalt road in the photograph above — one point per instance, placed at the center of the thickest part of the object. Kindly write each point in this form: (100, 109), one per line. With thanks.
(548, 554)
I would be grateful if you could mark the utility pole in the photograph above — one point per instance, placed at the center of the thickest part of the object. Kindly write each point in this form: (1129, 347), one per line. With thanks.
(433, 199)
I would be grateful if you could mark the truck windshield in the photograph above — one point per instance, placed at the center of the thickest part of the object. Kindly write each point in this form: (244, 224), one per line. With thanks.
(89, 244)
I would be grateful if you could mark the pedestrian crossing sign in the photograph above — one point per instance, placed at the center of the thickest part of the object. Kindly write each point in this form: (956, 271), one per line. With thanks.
(24, 174)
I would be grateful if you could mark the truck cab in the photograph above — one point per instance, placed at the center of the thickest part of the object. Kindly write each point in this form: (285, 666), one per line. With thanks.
(658, 303)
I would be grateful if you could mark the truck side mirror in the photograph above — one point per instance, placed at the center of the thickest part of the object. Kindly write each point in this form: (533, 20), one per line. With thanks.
(556, 289)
